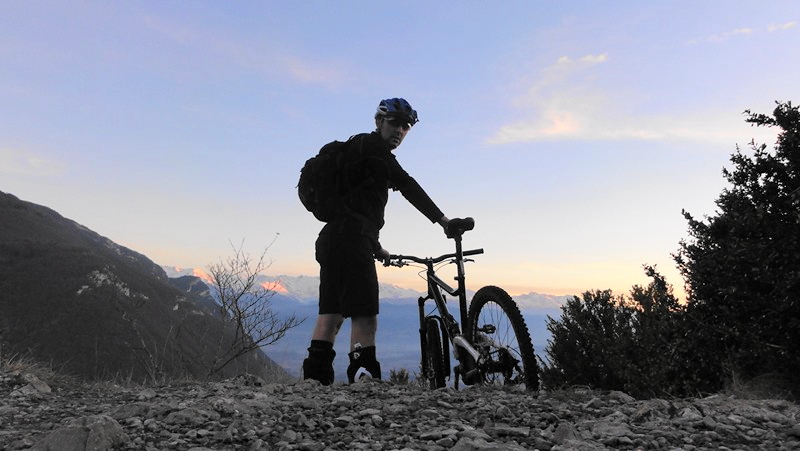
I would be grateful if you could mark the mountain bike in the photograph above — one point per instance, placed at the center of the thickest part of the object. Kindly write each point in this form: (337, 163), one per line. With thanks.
(494, 347)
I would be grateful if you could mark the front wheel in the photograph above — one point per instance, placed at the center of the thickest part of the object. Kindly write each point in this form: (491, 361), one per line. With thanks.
(434, 354)
(496, 328)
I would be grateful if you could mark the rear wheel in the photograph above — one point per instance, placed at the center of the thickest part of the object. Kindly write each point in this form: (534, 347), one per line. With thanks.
(434, 354)
(496, 328)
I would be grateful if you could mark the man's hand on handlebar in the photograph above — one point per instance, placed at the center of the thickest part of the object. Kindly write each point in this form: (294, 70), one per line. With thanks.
(395, 261)
(383, 256)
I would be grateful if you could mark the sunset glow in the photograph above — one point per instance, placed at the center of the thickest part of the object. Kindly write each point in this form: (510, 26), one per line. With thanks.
(574, 134)
(274, 286)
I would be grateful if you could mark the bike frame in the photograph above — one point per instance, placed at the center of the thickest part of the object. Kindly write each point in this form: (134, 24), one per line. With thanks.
(483, 356)
(436, 287)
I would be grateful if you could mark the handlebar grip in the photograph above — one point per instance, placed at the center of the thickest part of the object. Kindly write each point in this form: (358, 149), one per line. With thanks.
(473, 252)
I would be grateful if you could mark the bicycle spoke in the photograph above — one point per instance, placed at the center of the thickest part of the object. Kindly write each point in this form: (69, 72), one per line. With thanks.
(497, 330)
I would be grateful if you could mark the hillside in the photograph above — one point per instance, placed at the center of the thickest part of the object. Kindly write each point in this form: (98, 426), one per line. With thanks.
(92, 308)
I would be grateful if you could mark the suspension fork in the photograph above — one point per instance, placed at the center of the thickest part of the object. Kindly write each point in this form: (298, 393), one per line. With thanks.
(422, 337)
(449, 326)
(461, 346)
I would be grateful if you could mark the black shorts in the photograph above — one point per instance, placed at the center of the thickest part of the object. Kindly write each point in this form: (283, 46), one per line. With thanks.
(348, 282)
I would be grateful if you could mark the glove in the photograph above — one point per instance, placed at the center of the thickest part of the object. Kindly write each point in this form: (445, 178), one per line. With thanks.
(382, 255)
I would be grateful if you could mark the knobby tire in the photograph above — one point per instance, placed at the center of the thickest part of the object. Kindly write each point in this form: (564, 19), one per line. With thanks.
(492, 305)
(434, 354)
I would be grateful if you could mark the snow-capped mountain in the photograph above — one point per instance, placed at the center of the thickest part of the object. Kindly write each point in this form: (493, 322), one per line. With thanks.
(305, 289)
(540, 301)
(176, 271)
(298, 295)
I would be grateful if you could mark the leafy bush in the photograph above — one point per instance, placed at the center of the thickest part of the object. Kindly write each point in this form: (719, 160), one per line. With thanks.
(741, 321)
(588, 344)
(742, 265)
(616, 342)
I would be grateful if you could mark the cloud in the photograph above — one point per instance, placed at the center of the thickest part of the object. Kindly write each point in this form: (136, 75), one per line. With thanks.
(563, 72)
(597, 120)
(567, 103)
(595, 59)
(258, 56)
(786, 26)
(587, 59)
(562, 98)
(24, 163)
(726, 35)
(313, 72)
(722, 37)
(605, 124)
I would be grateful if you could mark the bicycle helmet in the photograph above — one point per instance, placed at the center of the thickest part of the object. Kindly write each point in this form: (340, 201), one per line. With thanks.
(397, 107)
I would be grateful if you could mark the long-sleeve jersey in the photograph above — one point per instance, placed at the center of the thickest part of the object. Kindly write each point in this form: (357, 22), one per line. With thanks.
(371, 170)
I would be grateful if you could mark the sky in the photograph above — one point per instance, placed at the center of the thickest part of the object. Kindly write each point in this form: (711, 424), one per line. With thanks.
(575, 133)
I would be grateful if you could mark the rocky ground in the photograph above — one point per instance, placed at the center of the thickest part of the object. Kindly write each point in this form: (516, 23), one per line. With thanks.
(245, 414)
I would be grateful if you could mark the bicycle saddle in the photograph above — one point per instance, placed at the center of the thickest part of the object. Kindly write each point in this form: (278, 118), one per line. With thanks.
(457, 226)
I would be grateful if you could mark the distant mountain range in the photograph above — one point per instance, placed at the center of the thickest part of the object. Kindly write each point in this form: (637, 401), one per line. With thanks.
(398, 343)
(93, 308)
(305, 290)
(89, 307)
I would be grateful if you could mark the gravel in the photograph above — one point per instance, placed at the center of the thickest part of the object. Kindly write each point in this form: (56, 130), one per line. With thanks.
(247, 414)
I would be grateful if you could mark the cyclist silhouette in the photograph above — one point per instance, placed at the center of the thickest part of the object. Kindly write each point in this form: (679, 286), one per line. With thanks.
(348, 244)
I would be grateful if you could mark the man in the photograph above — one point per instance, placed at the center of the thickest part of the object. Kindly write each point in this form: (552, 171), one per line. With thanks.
(348, 244)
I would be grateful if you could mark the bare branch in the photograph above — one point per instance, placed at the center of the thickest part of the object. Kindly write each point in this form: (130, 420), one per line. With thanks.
(246, 304)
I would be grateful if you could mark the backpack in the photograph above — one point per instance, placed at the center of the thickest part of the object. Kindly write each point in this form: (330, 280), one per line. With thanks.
(320, 187)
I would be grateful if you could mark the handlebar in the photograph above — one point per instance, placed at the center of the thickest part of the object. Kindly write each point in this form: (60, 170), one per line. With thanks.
(397, 260)
(454, 229)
